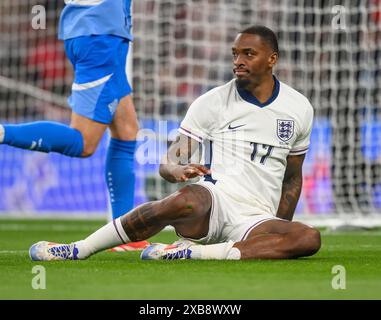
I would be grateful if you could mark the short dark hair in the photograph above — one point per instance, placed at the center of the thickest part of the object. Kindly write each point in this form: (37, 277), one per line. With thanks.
(266, 34)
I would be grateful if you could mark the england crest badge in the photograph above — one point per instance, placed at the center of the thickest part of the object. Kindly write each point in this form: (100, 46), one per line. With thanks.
(285, 129)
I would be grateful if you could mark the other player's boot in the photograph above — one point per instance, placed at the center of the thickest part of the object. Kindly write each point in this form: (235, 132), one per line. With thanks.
(47, 251)
(160, 251)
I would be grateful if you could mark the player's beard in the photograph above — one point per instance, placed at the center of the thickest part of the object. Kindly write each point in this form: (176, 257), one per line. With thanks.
(242, 83)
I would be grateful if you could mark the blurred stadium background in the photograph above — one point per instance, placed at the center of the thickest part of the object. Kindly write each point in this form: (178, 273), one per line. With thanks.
(330, 51)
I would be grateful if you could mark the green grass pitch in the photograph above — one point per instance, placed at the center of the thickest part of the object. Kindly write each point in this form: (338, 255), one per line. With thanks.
(110, 275)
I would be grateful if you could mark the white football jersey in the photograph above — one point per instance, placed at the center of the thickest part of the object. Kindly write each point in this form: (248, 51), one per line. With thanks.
(246, 143)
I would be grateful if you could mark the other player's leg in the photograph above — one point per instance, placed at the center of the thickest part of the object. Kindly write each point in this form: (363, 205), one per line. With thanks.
(91, 131)
(44, 136)
(88, 94)
(80, 139)
(119, 171)
(120, 162)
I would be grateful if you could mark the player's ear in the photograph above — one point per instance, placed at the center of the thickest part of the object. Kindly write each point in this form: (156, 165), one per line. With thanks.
(273, 59)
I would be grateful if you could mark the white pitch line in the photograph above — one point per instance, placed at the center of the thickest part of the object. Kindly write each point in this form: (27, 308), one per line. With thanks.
(12, 251)
(52, 227)
(33, 91)
(41, 227)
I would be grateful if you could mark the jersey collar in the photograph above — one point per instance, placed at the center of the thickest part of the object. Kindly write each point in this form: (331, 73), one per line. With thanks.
(247, 96)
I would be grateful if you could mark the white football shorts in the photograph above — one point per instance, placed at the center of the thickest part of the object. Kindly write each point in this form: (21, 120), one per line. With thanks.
(229, 218)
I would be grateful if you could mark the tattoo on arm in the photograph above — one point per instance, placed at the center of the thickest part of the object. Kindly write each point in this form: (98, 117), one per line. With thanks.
(291, 187)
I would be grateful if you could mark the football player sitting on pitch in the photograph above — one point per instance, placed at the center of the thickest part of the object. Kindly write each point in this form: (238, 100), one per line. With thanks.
(255, 130)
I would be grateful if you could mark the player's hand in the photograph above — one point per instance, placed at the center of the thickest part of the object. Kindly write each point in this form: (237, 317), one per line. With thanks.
(189, 171)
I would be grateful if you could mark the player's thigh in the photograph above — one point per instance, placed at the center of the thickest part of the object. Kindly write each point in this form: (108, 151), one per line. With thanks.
(277, 226)
(189, 211)
(92, 132)
(125, 122)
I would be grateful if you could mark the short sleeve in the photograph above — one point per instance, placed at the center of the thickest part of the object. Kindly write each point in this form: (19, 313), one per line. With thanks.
(200, 117)
(302, 142)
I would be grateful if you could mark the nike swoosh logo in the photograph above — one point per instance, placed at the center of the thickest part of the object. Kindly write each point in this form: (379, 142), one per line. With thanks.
(231, 128)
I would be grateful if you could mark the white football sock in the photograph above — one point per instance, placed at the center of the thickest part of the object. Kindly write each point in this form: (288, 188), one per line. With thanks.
(219, 251)
(234, 254)
(1, 133)
(109, 236)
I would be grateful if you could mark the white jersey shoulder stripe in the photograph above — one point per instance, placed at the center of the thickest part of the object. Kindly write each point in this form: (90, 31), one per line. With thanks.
(190, 134)
(84, 2)
(300, 149)
(298, 152)
(89, 85)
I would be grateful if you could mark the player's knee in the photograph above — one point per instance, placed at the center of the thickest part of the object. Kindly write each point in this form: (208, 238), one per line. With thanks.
(127, 131)
(88, 149)
(312, 240)
(184, 204)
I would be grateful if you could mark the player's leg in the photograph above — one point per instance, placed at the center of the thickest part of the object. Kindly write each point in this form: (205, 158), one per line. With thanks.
(119, 170)
(259, 237)
(272, 239)
(80, 139)
(44, 136)
(120, 162)
(91, 131)
(100, 99)
(187, 210)
(279, 239)
(295, 240)
(90, 96)
(98, 85)
(222, 217)
(115, 107)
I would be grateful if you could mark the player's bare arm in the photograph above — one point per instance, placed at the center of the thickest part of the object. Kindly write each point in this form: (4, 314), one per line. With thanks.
(175, 165)
(291, 187)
